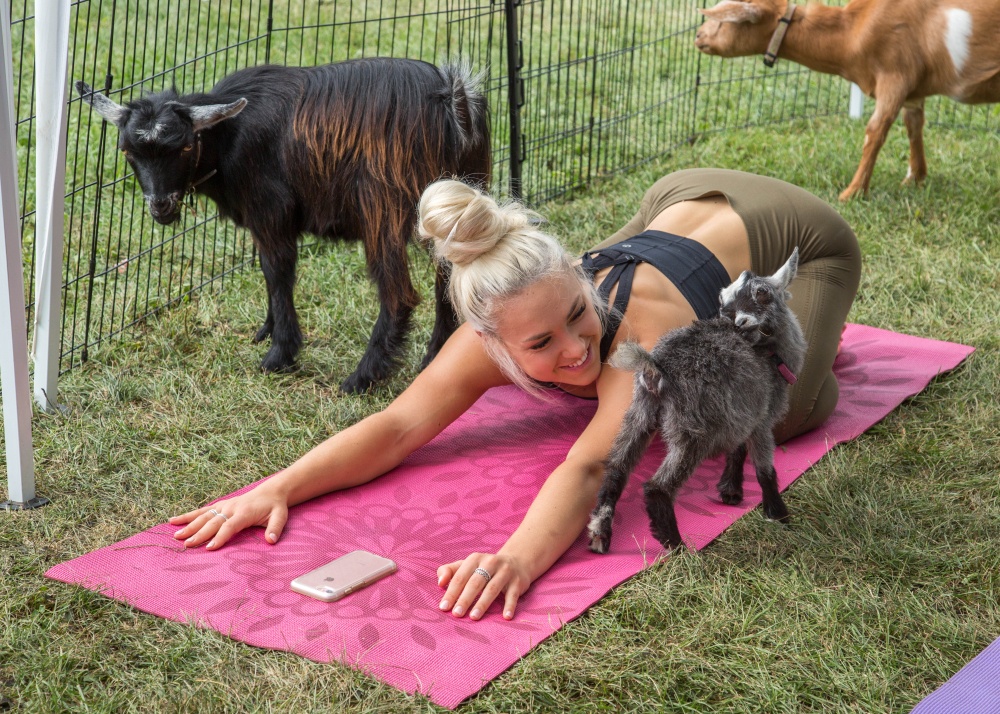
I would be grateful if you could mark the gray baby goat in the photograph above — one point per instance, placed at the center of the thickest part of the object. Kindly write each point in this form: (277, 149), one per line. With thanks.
(717, 385)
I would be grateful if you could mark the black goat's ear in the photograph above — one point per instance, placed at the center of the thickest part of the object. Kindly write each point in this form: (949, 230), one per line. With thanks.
(110, 110)
(212, 114)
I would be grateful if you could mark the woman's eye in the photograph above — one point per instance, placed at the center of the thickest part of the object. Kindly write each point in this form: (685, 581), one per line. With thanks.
(539, 345)
(579, 313)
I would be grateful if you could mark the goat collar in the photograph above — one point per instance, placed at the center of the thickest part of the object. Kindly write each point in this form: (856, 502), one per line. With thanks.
(197, 159)
(771, 56)
(782, 368)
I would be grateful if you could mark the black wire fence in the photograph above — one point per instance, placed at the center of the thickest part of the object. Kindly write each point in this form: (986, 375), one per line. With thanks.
(577, 90)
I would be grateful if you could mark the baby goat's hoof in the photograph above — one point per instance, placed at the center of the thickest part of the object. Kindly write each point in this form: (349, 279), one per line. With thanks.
(777, 512)
(731, 497)
(599, 529)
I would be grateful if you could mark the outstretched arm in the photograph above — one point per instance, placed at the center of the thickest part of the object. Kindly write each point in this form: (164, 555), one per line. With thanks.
(553, 522)
(452, 382)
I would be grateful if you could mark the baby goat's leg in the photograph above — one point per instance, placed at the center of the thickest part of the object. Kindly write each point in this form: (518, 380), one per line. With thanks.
(731, 482)
(628, 447)
(762, 453)
(660, 490)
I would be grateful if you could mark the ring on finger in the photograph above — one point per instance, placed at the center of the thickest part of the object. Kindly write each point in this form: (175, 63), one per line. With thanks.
(484, 573)
(218, 513)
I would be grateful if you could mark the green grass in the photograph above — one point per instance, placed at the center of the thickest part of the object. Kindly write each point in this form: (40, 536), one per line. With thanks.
(885, 585)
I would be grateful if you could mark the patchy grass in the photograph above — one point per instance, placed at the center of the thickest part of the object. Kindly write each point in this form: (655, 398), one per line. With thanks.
(885, 586)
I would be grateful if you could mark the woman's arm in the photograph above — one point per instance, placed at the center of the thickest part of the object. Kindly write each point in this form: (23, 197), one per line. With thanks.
(449, 385)
(553, 522)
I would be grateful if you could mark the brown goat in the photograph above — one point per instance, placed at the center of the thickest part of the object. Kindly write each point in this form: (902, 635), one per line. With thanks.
(897, 51)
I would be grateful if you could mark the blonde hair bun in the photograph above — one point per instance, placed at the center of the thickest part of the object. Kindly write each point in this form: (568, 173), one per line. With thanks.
(465, 223)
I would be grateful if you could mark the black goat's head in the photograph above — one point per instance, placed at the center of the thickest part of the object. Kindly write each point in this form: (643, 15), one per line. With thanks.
(160, 137)
(756, 304)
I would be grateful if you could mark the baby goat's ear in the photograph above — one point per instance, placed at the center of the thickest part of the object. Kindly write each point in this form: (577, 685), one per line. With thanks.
(786, 273)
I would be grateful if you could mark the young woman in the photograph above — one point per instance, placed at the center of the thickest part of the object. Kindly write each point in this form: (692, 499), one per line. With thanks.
(537, 318)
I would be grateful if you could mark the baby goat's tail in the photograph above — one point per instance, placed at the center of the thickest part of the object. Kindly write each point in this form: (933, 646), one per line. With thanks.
(632, 357)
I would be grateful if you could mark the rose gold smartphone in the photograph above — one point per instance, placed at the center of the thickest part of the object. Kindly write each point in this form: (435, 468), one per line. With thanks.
(343, 576)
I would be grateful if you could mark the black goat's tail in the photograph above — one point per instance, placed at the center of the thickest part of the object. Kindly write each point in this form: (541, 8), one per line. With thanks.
(468, 105)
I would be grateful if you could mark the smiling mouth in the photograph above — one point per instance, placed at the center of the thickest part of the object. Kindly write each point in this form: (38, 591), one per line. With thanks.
(579, 363)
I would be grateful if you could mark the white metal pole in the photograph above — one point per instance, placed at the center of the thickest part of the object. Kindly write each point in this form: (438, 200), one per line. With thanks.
(857, 106)
(51, 33)
(14, 385)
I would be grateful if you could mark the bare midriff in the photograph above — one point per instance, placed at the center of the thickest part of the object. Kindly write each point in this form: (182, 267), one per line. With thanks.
(655, 304)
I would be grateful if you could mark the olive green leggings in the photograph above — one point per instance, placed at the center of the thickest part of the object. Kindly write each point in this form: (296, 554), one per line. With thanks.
(778, 217)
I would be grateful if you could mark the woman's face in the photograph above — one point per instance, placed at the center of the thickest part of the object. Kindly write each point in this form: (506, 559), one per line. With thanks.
(553, 332)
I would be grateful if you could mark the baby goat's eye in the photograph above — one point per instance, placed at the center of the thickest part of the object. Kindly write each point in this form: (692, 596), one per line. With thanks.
(762, 295)
(188, 147)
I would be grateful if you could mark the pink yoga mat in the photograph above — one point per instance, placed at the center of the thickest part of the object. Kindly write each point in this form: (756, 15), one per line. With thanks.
(466, 491)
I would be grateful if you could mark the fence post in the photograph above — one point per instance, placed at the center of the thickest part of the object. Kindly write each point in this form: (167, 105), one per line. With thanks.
(14, 385)
(52, 33)
(515, 95)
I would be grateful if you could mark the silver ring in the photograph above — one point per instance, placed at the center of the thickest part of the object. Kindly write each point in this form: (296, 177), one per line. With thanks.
(224, 516)
(214, 512)
(483, 572)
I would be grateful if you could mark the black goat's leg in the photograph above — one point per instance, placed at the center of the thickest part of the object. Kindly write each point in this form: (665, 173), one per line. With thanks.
(629, 445)
(389, 270)
(445, 317)
(731, 482)
(286, 337)
(385, 343)
(762, 454)
(268, 326)
(661, 490)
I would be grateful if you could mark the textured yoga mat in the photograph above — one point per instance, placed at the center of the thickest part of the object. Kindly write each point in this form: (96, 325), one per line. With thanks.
(975, 689)
(466, 491)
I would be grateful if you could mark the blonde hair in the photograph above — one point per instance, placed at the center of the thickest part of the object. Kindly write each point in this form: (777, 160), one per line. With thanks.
(495, 251)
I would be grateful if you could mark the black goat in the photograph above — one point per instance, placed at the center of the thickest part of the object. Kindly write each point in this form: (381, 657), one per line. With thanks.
(342, 150)
(717, 385)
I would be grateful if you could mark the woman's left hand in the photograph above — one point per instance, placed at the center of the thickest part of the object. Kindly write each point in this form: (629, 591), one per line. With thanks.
(469, 589)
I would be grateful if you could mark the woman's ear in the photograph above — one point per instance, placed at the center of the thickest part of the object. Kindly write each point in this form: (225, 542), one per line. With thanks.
(479, 333)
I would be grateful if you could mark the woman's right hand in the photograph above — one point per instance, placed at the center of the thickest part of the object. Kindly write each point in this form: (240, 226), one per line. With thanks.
(217, 523)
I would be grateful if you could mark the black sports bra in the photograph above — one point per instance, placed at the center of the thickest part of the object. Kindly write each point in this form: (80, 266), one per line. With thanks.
(688, 264)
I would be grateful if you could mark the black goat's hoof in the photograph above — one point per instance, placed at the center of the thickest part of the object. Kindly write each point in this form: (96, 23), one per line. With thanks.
(356, 384)
(262, 334)
(277, 362)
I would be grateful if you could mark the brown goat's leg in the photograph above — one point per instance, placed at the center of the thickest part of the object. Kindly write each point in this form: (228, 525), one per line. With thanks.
(886, 111)
(445, 317)
(762, 454)
(731, 483)
(913, 118)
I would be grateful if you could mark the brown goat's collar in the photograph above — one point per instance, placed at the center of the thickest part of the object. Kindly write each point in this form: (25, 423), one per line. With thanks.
(771, 56)
(783, 370)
